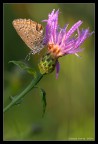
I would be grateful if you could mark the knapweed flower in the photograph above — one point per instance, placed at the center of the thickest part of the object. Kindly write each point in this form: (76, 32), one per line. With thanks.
(60, 42)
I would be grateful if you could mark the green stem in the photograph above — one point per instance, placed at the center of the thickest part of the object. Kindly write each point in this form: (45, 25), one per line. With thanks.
(26, 90)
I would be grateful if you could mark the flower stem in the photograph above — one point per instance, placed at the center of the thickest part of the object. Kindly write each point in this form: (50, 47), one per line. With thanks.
(24, 92)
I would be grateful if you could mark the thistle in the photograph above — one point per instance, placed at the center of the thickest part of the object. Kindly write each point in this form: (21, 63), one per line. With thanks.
(60, 42)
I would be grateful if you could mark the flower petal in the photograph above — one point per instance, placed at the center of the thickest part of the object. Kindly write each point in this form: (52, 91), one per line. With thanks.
(51, 27)
(82, 36)
(57, 69)
(73, 28)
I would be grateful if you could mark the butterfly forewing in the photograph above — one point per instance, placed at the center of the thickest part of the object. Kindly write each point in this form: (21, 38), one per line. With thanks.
(31, 33)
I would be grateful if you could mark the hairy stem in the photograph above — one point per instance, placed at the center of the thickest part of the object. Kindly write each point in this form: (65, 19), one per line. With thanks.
(24, 92)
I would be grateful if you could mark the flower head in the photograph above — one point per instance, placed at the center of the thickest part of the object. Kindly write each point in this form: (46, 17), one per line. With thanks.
(61, 42)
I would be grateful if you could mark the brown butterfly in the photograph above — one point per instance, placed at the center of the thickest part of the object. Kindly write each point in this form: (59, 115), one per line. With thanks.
(31, 33)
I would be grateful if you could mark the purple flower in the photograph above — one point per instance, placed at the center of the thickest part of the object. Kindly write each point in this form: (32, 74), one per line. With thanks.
(59, 38)
(62, 42)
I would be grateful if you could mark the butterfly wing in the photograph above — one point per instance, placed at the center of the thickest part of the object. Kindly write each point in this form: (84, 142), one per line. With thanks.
(31, 33)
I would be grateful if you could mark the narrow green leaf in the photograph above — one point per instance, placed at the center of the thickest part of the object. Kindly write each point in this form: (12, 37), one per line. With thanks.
(24, 66)
(43, 94)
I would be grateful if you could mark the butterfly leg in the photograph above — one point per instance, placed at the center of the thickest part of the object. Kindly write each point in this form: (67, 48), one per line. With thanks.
(28, 56)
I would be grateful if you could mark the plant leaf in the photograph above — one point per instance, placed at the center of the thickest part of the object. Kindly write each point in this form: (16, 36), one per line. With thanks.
(43, 94)
(24, 66)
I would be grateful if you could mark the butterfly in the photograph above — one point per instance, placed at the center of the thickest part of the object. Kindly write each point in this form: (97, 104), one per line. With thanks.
(31, 33)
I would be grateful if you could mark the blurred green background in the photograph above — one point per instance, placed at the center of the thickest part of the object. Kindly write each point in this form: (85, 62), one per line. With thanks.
(70, 99)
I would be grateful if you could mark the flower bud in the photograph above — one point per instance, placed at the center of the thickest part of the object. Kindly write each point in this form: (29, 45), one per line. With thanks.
(47, 63)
